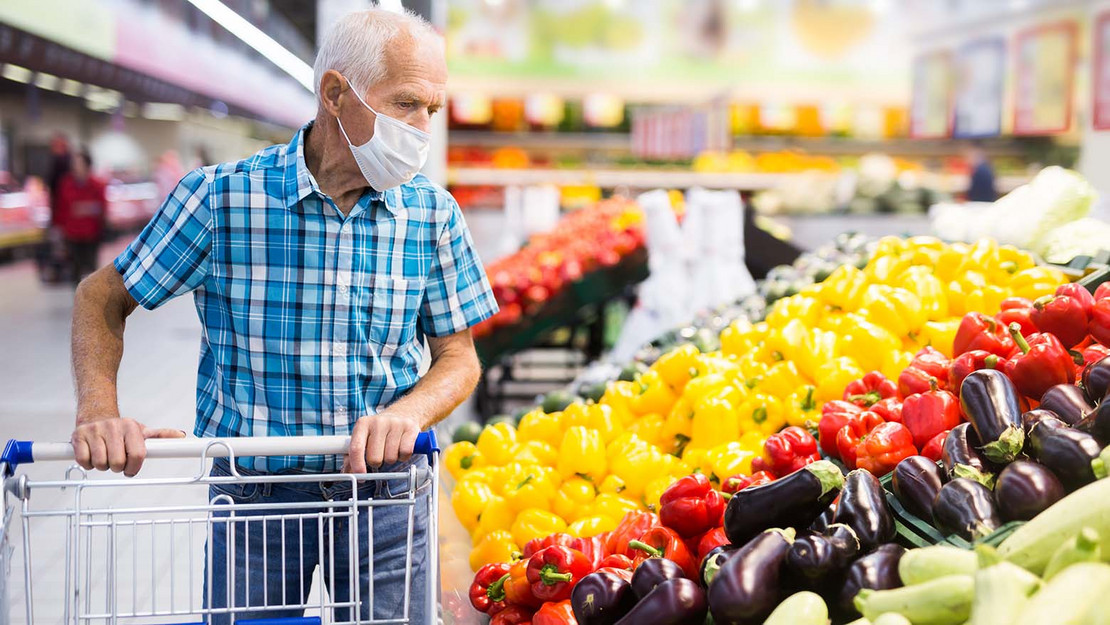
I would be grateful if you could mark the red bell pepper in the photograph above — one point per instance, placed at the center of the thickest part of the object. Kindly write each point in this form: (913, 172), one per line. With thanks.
(1093, 353)
(558, 538)
(787, 451)
(553, 572)
(487, 592)
(1064, 316)
(927, 364)
(935, 447)
(967, 362)
(690, 506)
(979, 331)
(513, 615)
(890, 409)
(834, 416)
(711, 540)
(740, 481)
(870, 389)
(1099, 325)
(1077, 292)
(593, 548)
(555, 613)
(928, 414)
(884, 447)
(631, 527)
(1017, 310)
(518, 591)
(1038, 363)
(663, 542)
(849, 436)
(1102, 292)
(616, 561)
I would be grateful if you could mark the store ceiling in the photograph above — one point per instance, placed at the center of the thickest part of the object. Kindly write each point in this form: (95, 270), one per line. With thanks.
(300, 13)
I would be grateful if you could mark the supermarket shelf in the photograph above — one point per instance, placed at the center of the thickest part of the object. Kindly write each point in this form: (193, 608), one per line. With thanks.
(552, 140)
(610, 178)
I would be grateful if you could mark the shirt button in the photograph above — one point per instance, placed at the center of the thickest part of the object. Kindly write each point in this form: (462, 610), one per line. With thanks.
(339, 349)
(346, 228)
(341, 410)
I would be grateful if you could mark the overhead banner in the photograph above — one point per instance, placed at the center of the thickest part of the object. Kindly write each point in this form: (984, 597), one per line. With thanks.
(1045, 78)
(931, 111)
(980, 76)
(1101, 86)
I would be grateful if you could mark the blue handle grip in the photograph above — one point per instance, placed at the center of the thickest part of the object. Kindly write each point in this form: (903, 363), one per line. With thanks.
(426, 443)
(17, 453)
(296, 620)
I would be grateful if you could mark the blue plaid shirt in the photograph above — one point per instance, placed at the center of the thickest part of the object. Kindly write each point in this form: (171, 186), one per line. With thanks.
(310, 319)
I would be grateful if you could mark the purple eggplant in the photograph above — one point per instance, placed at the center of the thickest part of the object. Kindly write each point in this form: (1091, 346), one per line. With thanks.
(824, 520)
(1066, 452)
(792, 501)
(877, 570)
(1033, 418)
(990, 401)
(712, 563)
(673, 602)
(811, 559)
(1025, 489)
(652, 572)
(845, 543)
(601, 598)
(966, 508)
(1067, 402)
(747, 588)
(916, 482)
(960, 455)
(1096, 380)
(1097, 423)
(863, 507)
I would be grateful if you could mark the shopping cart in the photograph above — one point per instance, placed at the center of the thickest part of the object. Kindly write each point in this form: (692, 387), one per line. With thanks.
(116, 557)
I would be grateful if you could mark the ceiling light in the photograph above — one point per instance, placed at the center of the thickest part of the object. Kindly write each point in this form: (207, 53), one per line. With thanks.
(262, 43)
(46, 81)
(164, 111)
(16, 73)
(71, 87)
(391, 5)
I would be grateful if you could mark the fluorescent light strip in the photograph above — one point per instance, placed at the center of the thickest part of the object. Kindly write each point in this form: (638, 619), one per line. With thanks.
(46, 81)
(260, 41)
(164, 111)
(18, 73)
(71, 87)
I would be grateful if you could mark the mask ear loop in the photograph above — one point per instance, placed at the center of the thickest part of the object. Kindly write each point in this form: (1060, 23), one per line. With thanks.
(352, 89)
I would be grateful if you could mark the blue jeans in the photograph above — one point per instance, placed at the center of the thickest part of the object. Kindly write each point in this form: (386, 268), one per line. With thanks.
(274, 563)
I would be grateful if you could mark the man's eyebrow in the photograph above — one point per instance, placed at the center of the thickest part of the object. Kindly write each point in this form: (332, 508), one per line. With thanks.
(408, 96)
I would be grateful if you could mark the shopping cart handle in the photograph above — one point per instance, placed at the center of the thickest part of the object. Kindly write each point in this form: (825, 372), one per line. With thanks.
(26, 452)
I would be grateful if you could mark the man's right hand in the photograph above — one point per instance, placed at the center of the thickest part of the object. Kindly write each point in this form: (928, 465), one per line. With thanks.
(116, 444)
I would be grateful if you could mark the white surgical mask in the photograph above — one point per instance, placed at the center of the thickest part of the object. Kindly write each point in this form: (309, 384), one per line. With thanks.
(393, 155)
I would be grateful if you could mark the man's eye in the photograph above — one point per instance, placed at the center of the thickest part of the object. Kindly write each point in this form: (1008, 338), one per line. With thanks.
(404, 105)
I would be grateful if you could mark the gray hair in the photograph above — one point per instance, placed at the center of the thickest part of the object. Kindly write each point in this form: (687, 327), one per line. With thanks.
(355, 46)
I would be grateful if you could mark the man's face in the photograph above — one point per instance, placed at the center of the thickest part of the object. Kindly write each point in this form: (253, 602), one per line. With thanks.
(412, 91)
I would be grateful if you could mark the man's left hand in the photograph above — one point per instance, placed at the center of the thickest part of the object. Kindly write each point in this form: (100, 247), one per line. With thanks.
(380, 439)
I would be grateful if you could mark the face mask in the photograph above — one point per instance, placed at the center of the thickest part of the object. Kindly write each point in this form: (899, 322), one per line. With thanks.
(393, 155)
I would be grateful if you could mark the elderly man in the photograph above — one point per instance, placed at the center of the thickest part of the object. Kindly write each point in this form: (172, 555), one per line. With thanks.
(318, 269)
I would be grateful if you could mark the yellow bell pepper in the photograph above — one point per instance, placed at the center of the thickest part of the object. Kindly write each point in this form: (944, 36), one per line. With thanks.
(890, 246)
(782, 379)
(843, 289)
(573, 498)
(600, 418)
(886, 269)
(1011, 260)
(655, 489)
(494, 547)
(895, 309)
(928, 288)
(618, 396)
(738, 338)
(498, 515)
(1034, 282)
(677, 427)
(761, 412)
(637, 466)
(867, 343)
(955, 293)
(592, 526)
(833, 376)
(980, 255)
(612, 484)
(948, 263)
(895, 361)
(796, 307)
(612, 506)
(648, 427)
(540, 426)
(543, 452)
(987, 299)
(535, 490)
(941, 335)
(786, 342)
(703, 385)
(461, 457)
(582, 453)
(715, 420)
(802, 407)
(535, 523)
(751, 369)
(735, 458)
(655, 396)
(676, 366)
(497, 443)
(821, 346)
(468, 499)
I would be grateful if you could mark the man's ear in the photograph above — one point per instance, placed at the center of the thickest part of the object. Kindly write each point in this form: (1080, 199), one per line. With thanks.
(332, 88)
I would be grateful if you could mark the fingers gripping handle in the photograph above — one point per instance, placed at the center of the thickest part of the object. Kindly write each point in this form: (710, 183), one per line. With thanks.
(25, 452)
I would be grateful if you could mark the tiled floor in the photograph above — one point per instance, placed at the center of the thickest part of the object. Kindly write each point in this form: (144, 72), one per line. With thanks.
(156, 383)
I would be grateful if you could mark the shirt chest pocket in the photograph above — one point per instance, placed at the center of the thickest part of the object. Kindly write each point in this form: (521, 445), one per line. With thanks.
(394, 310)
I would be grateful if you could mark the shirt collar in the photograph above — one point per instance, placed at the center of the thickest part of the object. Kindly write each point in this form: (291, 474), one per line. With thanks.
(300, 183)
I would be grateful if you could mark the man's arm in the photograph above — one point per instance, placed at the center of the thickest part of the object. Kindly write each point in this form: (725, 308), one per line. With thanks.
(389, 436)
(101, 439)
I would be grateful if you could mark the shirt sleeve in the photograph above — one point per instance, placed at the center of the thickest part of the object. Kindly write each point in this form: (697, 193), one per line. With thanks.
(457, 295)
(170, 256)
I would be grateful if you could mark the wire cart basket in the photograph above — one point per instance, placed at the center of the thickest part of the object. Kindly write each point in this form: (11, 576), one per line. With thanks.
(100, 548)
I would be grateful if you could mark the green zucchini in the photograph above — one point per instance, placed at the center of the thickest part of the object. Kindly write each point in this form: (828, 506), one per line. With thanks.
(1083, 547)
(1032, 545)
(921, 565)
(803, 608)
(1069, 597)
(861, 621)
(892, 618)
(1001, 592)
(941, 601)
